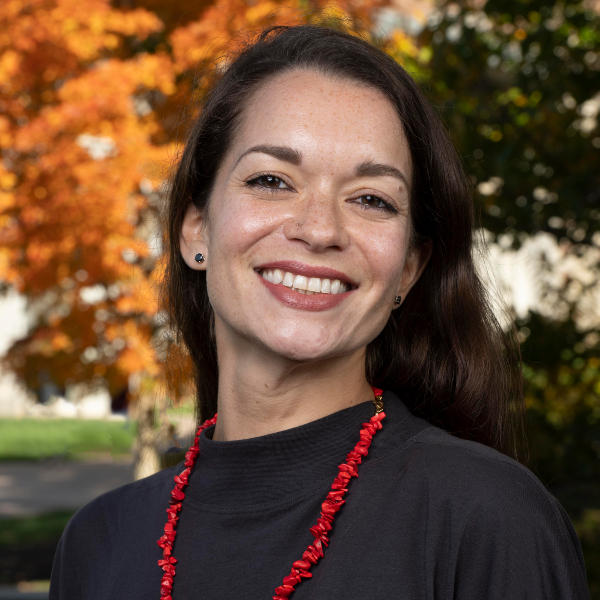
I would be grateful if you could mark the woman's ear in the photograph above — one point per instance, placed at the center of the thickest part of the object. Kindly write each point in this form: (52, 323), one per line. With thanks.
(414, 266)
(192, 242)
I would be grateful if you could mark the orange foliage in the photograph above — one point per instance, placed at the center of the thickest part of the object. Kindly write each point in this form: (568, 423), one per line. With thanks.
(89, 98)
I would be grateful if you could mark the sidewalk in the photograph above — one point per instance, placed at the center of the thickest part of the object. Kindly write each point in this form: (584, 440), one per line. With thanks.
(29, 488)
(12, 593)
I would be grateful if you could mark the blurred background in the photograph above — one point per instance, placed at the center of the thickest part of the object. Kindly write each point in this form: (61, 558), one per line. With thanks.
(95, 100)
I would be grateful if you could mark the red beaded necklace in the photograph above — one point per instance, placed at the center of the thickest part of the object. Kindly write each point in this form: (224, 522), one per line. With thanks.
(333, 503)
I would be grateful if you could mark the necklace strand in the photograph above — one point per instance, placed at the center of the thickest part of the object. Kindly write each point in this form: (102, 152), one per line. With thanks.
(320, 531)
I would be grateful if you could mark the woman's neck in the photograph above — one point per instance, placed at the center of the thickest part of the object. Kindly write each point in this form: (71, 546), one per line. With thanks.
(261, 392)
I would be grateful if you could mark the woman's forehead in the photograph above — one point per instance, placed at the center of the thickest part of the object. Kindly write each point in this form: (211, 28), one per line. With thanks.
(323, 118)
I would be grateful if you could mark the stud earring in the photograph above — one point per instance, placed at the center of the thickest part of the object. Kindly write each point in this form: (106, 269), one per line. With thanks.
(199, 257)
(397, 300)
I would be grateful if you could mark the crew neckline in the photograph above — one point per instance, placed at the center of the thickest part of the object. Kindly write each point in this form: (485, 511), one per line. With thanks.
(277, 466)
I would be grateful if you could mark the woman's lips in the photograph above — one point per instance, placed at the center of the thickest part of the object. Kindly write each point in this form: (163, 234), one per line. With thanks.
(299, 268)
(294, 299)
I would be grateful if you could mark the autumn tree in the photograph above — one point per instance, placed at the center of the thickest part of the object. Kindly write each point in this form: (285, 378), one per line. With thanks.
(74, 195)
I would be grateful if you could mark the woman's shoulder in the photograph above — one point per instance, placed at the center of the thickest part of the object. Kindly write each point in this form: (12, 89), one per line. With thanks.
(484, 492)
(465, 466)
(485, 516)
(451, 466)
(499, 513)
(118, 527)
(471, 477)
(460, 475)
(133, 503)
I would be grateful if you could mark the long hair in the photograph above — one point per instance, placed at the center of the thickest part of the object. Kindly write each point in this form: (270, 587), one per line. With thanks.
(443, 350)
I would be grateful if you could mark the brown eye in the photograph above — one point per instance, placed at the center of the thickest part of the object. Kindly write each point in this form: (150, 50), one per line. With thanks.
(268, 181)
(371, 201)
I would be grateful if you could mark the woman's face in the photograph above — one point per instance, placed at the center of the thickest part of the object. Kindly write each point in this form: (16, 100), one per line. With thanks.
(307, 235)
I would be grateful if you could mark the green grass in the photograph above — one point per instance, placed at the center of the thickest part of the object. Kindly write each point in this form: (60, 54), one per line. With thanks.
(34, 530)
(183, 409)
(35, 439)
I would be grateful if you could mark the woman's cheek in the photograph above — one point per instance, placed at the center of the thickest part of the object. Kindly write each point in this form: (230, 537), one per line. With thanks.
(245, 222)
(387, 257)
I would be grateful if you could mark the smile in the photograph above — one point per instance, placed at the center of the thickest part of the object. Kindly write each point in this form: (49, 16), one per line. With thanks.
(305, 287)
(303, 284)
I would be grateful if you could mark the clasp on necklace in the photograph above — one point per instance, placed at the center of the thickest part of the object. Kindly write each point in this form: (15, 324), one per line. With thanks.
(378, 402)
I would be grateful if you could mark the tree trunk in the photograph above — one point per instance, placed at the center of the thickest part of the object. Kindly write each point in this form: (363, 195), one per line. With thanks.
(146, 454)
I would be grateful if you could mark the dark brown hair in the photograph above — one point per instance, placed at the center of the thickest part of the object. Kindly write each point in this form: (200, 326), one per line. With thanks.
(443, 351)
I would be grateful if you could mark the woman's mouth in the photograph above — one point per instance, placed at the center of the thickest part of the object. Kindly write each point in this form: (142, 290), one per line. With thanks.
(303, 284)
(306, 287)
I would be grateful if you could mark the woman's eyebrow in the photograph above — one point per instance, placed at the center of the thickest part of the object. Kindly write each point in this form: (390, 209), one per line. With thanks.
(281, 152)
(366, 169)
(370, 169)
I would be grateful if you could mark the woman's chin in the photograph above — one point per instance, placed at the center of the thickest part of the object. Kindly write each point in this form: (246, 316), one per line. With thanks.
(303, 350)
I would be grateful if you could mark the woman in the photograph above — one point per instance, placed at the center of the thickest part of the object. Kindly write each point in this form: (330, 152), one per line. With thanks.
(319, 231)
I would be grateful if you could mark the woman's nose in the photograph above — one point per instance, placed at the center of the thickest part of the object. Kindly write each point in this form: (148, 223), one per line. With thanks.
(319, 224)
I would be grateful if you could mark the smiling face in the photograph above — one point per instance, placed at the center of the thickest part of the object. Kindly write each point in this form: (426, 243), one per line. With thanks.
(307, 233)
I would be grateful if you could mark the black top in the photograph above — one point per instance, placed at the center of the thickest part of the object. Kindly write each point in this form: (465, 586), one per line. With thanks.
(429, 517)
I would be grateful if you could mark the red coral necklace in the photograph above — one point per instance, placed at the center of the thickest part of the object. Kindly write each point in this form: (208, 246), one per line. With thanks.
(333, 503)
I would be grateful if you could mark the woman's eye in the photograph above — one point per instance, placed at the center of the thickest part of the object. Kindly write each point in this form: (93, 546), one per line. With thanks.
(371, 201)
(267, 181)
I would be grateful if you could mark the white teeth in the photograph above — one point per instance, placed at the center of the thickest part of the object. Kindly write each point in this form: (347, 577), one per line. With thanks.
(300, 283)
(305, 285)
(277, 276)
(314, 285)
(288, 280)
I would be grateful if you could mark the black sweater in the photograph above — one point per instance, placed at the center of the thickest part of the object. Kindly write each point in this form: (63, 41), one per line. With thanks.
(429, 517)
